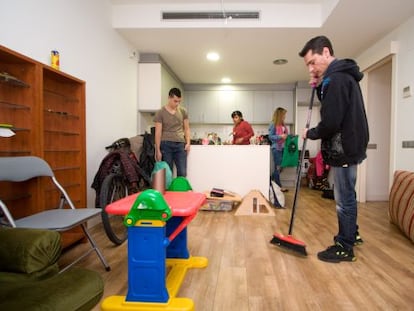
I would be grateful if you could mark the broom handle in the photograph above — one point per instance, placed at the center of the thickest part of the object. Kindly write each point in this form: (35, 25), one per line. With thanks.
(302, 156)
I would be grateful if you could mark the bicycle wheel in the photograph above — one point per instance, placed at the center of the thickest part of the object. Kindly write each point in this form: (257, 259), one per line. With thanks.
(114, 187)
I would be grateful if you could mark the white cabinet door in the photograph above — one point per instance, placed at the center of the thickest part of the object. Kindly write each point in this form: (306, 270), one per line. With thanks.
(230, 101)
(202, 106)
(262, 107)
(303, 95)
(284, 99)
(226, 105)
(257, 107)
(243, 101)
(149, 87)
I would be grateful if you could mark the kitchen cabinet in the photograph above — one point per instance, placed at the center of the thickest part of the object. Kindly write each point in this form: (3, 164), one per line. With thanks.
(285, 100)
(230, 101)
(202, 106)
(263, 107)
(226, 105)
(149, 87)
(154, 83)
(46, 108)
(303, 96)
(216, 106)
(265, 103)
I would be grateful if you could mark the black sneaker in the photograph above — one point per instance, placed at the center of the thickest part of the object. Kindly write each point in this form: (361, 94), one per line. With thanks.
(336, 253)
(358, 239)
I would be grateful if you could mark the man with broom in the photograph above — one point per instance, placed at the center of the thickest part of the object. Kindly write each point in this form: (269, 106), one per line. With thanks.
(344, 135)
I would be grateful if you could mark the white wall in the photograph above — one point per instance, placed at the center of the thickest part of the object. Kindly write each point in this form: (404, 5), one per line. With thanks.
(89, 49)
(236, 168)
(401, 43)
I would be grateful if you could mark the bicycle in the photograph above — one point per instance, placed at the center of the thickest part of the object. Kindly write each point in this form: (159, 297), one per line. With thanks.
(119, 175)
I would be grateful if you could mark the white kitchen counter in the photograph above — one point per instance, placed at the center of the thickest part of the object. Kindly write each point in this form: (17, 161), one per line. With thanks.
(231, 167)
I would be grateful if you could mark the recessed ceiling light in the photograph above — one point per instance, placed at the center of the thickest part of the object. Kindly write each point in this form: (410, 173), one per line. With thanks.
(280, 61)
(213, 56)
(225, 80)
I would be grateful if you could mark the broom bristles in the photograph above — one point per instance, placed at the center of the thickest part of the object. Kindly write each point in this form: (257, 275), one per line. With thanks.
(290, 243)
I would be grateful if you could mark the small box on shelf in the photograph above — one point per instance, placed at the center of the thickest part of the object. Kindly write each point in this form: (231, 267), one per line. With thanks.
(225, 203)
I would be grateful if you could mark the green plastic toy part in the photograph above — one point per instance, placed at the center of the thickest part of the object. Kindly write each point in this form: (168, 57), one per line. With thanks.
(180, 184)
(149, 205)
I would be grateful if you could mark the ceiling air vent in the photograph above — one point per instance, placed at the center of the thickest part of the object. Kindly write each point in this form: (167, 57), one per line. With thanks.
(209, 15)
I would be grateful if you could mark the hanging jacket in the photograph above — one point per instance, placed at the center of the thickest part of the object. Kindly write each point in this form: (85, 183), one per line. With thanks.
(129, 168)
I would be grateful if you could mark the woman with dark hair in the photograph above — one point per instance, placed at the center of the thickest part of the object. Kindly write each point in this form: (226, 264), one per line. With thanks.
(242, 130)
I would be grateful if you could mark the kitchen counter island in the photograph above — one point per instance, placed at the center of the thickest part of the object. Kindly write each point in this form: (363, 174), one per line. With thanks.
(238, 168)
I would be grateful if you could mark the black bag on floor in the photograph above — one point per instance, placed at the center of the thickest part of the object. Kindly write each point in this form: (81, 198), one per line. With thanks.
(276, 196)
(328, 194)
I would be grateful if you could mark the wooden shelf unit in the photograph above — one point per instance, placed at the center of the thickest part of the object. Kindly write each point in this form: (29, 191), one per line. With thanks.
(46, 108)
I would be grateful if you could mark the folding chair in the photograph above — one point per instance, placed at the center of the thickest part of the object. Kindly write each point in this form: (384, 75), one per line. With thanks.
(17, 169)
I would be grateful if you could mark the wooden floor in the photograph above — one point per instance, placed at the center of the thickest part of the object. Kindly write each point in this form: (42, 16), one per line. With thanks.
(246, 272)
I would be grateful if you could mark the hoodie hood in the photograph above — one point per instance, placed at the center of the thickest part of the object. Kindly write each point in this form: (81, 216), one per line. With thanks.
(346, 65)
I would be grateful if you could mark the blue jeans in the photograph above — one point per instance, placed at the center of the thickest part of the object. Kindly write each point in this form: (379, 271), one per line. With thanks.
(174, 153)
(346, 204)
(277, 159)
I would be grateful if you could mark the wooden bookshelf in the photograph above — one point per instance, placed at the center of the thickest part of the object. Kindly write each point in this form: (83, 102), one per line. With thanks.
(46, 108)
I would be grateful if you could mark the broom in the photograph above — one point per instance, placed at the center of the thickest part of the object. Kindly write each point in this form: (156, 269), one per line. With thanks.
(287, 241)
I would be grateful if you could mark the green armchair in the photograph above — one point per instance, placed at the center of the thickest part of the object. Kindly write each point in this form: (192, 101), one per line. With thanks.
(30, 278)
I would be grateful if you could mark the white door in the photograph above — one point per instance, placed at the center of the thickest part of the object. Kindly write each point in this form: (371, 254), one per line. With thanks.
(379, 120)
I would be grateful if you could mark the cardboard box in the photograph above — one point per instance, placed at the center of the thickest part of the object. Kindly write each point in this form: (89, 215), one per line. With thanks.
(225, 203)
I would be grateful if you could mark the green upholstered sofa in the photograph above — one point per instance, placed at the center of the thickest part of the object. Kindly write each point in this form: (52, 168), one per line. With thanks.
(30, 278)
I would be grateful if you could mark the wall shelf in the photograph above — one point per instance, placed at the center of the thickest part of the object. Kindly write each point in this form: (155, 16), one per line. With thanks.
(13, 105)
(8, 79)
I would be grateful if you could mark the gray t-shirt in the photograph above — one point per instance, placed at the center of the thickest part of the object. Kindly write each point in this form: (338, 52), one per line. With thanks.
(172, 124)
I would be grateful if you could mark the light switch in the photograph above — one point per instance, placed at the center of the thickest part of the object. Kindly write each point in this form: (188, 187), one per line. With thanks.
(408, 144)
(406, 91)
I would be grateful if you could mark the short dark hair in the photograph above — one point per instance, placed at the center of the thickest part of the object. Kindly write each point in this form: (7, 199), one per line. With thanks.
(174, 92)
(237, 113)
(316, 45)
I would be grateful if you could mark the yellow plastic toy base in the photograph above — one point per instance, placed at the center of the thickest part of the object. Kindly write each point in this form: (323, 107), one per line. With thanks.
(118, 303)
(178, 269)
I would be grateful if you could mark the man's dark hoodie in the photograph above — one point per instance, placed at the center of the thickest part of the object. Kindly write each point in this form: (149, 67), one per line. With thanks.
(343, 128)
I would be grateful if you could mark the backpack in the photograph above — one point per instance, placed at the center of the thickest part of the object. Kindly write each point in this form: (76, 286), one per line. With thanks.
(147, 157)
(276, 196)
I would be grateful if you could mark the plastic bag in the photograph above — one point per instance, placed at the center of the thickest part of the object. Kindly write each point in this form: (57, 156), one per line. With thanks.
(290, 156)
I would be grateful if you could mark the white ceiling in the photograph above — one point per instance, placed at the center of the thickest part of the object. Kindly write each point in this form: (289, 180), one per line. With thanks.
(248, 48)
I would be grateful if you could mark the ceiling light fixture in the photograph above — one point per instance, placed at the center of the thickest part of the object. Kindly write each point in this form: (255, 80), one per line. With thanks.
(280, 61)
(225, 80)
(213, 56)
